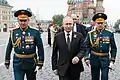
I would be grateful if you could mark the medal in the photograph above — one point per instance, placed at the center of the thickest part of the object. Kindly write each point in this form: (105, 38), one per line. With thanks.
(95, 35)
(28, 34)
(23, 32)
(16, 34)
(27, 47)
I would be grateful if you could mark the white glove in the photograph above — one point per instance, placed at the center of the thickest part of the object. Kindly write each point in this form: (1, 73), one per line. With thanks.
(37, 68)
(75, 60)
(111, 65)
(55, 72)
(87, 63)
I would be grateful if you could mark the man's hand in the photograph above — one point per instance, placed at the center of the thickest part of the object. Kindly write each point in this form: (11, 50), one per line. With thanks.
(87, 62)
(55, 72)
(75, 60)
(7, 64)
(38, 68)
(111, 65)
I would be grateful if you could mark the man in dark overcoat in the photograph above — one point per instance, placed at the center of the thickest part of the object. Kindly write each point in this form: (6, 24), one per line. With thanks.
(67, 53)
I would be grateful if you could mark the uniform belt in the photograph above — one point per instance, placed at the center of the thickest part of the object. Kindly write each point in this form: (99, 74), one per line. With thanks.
(25, 55)
(99, 54)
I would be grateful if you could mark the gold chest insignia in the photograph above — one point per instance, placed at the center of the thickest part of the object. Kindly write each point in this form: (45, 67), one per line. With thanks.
(95, 34)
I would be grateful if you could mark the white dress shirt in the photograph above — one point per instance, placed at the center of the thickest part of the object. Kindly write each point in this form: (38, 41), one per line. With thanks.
(74, 28)
(70, 36)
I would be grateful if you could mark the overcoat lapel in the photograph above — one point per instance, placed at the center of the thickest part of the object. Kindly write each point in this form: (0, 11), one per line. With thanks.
(72, 41)
(77, 27)
(64, 40)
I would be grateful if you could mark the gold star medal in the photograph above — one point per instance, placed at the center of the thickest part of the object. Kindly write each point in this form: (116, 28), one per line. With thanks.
(27, 47)
(23, 32)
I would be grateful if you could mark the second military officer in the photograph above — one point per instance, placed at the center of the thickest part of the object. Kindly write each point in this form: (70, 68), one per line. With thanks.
(99, 43)
(24, 41)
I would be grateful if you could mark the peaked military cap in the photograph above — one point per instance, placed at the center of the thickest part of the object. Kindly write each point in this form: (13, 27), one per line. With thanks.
(99, 15)
(24, 12)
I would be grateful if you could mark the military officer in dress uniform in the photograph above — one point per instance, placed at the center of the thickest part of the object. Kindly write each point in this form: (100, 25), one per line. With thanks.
(100, 44)
(24, 41)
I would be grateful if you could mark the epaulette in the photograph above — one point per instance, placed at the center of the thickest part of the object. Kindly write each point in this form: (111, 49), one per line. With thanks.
(109, 30)
(34, 28)
(14, 29)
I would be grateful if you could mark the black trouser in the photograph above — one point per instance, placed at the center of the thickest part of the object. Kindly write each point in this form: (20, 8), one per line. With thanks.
(49, 41)
(69, 75)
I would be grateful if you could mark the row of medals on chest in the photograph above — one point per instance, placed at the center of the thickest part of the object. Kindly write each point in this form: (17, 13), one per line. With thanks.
(28, 40)
(105, 39)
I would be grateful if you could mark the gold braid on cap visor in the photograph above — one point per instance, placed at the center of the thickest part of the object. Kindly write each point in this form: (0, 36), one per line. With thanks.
(23, 16)
(100, 20)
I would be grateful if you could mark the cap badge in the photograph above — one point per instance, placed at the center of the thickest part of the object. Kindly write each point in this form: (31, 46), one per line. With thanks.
(100, 14)
(22, 11)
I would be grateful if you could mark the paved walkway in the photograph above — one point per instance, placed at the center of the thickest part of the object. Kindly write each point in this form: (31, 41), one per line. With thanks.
(47, 74)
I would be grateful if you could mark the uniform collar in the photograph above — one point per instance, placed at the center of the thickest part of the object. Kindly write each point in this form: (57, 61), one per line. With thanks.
(24, 29)
(100, 30)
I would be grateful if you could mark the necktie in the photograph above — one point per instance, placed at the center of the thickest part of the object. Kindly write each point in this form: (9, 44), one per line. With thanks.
(68, 41)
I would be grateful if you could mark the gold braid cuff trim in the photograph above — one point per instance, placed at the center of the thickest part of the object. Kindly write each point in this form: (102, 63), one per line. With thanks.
(40, 62)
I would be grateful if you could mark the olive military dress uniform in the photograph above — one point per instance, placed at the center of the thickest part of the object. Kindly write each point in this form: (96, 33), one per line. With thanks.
(24, 43)
(98, 44)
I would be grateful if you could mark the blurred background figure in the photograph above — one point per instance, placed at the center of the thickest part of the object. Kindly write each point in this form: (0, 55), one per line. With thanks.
(77, 27)
(49, 34)
(92, 26)
(52, 32)
(60, 29)
(78, 20)
(39, 28)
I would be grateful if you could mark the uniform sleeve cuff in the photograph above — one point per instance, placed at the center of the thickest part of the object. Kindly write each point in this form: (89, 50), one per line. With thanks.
(112, 59)
(40, 63)
(7, 61)
(86, 58)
